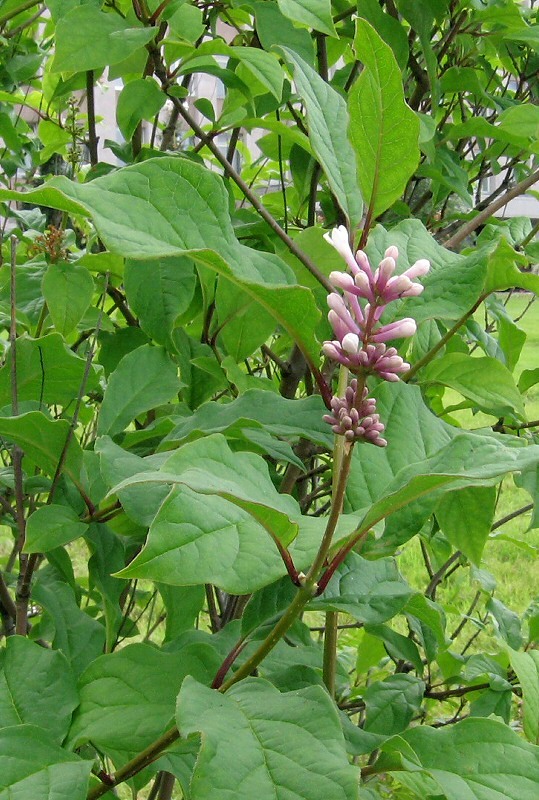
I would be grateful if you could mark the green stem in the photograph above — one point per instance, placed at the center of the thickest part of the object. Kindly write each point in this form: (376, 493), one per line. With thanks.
(23, 7)
(330, 651)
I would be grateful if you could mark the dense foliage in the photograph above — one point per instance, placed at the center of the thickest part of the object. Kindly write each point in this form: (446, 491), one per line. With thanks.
(203, 590)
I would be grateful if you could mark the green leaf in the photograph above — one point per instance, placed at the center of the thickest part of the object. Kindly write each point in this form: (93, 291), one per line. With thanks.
(87, 38)
(128, 697)
(389, 28)
(47, 372)
(328, 121)
(476, 759)
(243, 326)
(36, 687)
(77, 635)
(383, 129)
(369, 591)
(273, 28)
(465, 517)
(159, 291)
(260, 410)
(454, 282)
(68, 290)
(139, 99)
(52, 526)
(311, 13)
(496, 393)
(209, 466)
(144, 379)
(32, 766)
(526, 666)
(506, 622)
(43, 441)
(392, 703)
(503, 272)
(172, 206)
(282, 745)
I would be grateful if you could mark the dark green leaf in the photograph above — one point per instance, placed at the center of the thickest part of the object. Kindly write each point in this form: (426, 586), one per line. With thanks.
(139, 99)
(392, 703)
(52, 526)
(68, 290)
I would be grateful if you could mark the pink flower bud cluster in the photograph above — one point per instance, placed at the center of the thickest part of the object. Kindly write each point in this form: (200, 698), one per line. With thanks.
(355, 417)
(360, 343)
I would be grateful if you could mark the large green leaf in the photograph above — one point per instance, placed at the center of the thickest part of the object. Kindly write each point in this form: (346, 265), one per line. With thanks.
(209, 466)
(36, 687)
(67, 289)
(477, 759)
(31, 766)
(87, 38)
(282, 745)
(47, 372)
(171, 206)
(383, 129)
(52, 526)
(328, 117)
(369, 591)
(128, 697)
(43, 441)
(495, 393)
(143, 380)
(466, 516)
(312, 13)
(261, 409)
(159, 291)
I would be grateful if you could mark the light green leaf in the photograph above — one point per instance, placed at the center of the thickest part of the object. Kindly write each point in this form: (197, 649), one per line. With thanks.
(172, 206)
(274, 28)
(52, 526)
(476, 759)
(389, 28)
(496, 393)
(383, 129)
(504, 272)
(159, 291)
(465, 517)
(43, 441)
(31, 766)
(88, 38)
(139, 99)
(144, 379)
(209, 466)
(526, 666)
(328, 121)
(282, 745)
(311, 13)
(261, 410)
(263, 66)
(36, 687)
(128, 697)
(47, 372)
(68, 290)
(506, 622)
(391, 703)
(369, 591)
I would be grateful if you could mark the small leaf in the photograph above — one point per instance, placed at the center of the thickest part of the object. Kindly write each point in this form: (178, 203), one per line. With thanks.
(52, 526)
(392, 703)
(369, 591)
(507, 623)
(144, 379)
(68, 290)
(526, 666)
(282, 745)
(465, 517)
(43, 441)
(312, 13)
(139, 99)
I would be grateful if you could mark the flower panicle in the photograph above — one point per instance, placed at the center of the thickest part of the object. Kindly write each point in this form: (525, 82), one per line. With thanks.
(360, 343)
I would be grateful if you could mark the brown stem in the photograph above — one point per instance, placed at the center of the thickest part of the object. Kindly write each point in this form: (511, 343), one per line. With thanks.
(90, 107)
